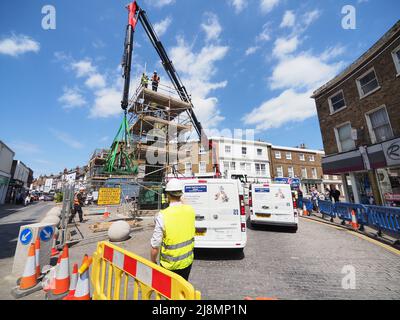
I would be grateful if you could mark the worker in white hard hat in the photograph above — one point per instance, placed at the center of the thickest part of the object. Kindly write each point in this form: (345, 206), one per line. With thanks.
(79, 200)
(174, 233)
(155, 80)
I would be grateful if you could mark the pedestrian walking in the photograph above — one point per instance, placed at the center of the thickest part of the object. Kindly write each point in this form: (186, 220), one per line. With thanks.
(79, 201)
(315, 198)
(335, 194)
(174, 232)
(155, 81)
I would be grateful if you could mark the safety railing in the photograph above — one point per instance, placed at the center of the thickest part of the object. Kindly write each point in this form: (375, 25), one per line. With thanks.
(308, 203)
(384, 218)
(118, 274)
(378, 217)
(326, 208)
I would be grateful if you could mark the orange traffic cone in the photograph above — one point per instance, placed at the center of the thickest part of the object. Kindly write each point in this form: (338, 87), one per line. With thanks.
(37, 257)
(305, 212)
(29, 279)
(106, 213)
(82, 291)
(354, 223)
(49, 281)
(62, 275)
(74, 281)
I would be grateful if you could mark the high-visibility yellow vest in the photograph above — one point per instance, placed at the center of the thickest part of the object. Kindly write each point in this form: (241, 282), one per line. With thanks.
(178, 243)
(163, 199)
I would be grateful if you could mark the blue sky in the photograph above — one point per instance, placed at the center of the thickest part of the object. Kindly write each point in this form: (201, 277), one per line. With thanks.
(249, 64)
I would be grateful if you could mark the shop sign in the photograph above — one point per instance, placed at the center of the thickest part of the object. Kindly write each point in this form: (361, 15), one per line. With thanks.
(392, 152)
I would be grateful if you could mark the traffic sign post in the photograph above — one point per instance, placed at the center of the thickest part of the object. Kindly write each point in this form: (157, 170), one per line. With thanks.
(28, 235)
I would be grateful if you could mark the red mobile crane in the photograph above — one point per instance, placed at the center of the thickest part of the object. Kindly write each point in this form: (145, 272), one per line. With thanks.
(136, 13)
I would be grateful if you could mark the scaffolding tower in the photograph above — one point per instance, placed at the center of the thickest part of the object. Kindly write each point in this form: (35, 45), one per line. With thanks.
(160, 123)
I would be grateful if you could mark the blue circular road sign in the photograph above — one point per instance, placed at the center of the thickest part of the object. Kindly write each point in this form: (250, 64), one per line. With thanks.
(26, 236)
(46, 234)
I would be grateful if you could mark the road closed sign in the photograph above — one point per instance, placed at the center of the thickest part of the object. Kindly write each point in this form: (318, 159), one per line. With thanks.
(109, 196)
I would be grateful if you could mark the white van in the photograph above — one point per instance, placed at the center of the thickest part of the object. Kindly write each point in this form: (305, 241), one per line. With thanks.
(272, 204)
(220, 212)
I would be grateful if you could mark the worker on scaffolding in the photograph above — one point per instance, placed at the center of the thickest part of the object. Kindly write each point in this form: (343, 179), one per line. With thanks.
(145, 80)
(155, 81)
(174, 233)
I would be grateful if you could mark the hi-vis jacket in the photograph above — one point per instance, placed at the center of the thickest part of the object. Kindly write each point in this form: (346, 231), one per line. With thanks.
(178, 237)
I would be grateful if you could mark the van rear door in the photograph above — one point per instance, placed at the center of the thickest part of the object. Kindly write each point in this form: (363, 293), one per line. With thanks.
(217, 207)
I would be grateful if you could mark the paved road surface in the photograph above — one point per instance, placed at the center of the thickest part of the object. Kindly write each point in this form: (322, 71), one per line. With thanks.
(306, 265)
(276, 263)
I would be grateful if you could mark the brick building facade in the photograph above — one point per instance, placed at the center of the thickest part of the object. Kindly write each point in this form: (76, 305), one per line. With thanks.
(359, 115)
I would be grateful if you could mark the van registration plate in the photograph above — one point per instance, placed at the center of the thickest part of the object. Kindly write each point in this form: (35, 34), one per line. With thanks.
(263, 215)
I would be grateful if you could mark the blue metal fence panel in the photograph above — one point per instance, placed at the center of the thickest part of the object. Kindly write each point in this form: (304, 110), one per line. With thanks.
(384, 218)
(326, 207)
(309, 205)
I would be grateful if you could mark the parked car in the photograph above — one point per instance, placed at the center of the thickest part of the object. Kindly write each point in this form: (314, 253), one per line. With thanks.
(48, 197)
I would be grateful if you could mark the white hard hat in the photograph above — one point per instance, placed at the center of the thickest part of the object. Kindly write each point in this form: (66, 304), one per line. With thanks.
(81, 188)
(174, 185)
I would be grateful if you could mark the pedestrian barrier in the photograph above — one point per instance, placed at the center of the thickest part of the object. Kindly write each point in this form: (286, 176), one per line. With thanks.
(384, 218)
(327, 208)
(309, 205)
(132, 277)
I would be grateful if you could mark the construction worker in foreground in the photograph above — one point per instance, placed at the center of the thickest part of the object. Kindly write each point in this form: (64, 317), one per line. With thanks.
(78, 204)
(174, 233)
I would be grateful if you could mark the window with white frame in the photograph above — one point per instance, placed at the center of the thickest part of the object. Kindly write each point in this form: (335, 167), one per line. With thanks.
(344, 138)
(291, 172)
(228, 149)
(226, 165)
(396, 59)
(188, 168)
(248, 167)
(326, 177)
(244, 151)
(379, 125)
(233, 165)
(243, 166)
(188, 153)
(278, 155)
(203, 167)
(311, 158)
(279, 172)
(314, 173)
(302, 157)
(367, 83)
(288, 156)
(337, 102)
(259, 152)
(202, 150)
(304, 173)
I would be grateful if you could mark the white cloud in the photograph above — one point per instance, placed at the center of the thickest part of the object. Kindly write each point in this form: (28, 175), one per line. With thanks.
(289, 106)
(211, 27)
(160, 3)
(72, 98)
(18, 44)
(107, 103)
(96, 80)
(268, 5)
(252, 50)
(162, 26)
(333, 52)
(310, 17)
(83, 68)
(284, 46)
(288, 20)
(67, 139)
(265, 33)
(239, 5)
(302, 71)
(197, 70)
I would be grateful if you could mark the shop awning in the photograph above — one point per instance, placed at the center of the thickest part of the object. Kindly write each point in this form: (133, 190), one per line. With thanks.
(343, 163)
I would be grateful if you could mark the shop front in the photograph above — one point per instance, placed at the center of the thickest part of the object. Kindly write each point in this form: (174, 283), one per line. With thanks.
(371, 174)
(4, 180)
